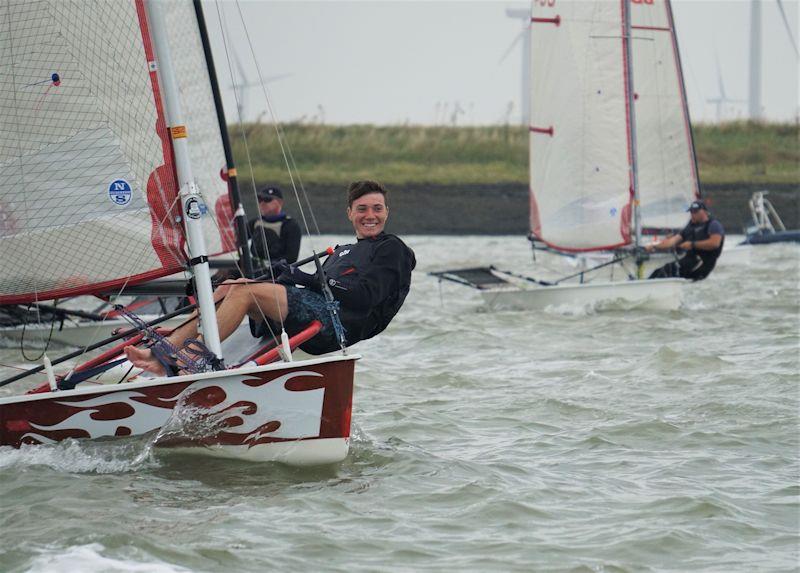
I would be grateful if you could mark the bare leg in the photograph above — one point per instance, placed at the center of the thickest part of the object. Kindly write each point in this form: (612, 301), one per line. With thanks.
(240, 299)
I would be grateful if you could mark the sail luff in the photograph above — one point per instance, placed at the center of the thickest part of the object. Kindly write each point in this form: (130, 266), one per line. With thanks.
(190, 197)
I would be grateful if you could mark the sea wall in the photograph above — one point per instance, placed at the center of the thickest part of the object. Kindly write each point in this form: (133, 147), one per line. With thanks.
(502, 209)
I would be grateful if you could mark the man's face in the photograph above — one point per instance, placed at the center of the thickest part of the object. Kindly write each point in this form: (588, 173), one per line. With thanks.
(699, 215)
(368, 214)
(271, 207)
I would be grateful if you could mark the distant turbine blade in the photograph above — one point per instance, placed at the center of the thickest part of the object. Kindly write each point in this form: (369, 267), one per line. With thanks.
(275, 78)
(788, 28)
(242, 79)
(511, 46)
(719, 77)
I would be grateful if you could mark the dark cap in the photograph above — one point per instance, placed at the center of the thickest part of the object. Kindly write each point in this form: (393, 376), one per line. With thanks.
(697, 205)
(269, 193)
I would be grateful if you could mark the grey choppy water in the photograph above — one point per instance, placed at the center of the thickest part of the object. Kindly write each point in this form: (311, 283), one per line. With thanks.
(567, 440)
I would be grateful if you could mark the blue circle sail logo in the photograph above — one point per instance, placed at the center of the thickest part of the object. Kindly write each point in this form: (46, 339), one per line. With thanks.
(120, 192)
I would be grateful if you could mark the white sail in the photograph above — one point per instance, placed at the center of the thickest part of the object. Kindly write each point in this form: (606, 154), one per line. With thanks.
(87, 184)
(667, 171)
(580, 155)
(579, 160)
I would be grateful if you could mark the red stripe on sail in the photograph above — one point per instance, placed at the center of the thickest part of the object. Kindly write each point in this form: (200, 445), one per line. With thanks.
(578, 249)
(86, 287)
(556, 20)
(535, 219)
(224, 214)
(548, 130)
(166, 234)
(625, 63)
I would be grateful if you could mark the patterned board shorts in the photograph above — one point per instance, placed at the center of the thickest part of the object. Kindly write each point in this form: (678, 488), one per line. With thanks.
(306, 306)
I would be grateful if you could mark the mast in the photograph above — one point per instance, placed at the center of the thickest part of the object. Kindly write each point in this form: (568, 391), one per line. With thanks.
(637, 216)
(190, 196)
(236, 201)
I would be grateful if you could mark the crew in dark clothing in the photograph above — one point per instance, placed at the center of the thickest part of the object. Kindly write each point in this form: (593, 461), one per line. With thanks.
(369, 279)
(702, 240)
(275, 235)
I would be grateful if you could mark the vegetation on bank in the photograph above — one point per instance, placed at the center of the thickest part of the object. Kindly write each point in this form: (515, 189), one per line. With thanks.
(728, 154)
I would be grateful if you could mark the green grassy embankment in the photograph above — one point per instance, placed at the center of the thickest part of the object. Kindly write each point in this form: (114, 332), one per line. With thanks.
(735, 154)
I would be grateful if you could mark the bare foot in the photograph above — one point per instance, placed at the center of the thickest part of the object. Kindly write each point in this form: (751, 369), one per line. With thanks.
(144, 359)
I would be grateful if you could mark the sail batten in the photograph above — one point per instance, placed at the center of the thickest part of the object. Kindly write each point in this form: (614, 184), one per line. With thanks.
(88, 194)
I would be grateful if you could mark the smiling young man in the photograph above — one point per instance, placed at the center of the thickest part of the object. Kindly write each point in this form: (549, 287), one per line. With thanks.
(369, 278)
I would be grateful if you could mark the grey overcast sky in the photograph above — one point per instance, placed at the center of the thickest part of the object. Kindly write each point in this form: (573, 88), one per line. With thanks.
(436, 61)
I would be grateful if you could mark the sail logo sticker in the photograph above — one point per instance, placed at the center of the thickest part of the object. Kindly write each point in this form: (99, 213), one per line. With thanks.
(193, 209)
(120, 192)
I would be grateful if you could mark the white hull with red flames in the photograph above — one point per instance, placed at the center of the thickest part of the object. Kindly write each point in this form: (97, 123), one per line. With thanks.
(292, 412)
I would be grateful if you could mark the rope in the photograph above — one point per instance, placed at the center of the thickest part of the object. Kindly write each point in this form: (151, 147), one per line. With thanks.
(25, 328)
(192, 357)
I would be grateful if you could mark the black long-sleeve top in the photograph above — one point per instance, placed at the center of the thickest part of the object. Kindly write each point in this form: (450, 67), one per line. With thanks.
(370, 279)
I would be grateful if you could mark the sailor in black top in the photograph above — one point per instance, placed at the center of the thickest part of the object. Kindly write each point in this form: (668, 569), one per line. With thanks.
(369, 278)
(275, 235)
(702, 240)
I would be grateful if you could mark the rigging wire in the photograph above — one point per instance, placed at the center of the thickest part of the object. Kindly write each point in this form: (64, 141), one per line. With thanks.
(331, 304)
(221, 20)
(284, 145)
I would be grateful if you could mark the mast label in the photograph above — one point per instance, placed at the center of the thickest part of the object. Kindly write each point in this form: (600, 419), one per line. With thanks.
(193, 209)
(178, 132)
(120, 192)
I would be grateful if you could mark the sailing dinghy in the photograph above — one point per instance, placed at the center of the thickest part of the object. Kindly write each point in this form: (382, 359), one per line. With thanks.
(767, 225)
(110, 159)
(611, 157)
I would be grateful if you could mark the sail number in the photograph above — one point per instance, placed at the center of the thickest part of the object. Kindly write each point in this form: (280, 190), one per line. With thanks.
(650, 2)
(548, 3)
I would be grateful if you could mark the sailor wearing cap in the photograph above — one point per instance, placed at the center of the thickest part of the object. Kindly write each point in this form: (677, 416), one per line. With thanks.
(275, 235)
(701, 240)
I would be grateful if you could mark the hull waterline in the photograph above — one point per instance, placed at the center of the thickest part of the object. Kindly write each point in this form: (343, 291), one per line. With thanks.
(657, 294)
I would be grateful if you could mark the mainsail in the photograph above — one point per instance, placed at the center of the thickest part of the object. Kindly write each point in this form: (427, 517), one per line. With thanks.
(580, 142)
(88, 194)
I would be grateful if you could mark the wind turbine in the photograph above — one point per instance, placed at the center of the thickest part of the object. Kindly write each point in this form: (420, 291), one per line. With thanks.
(525, 36)
(242, 85)
(722, 99)
(755, 55)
